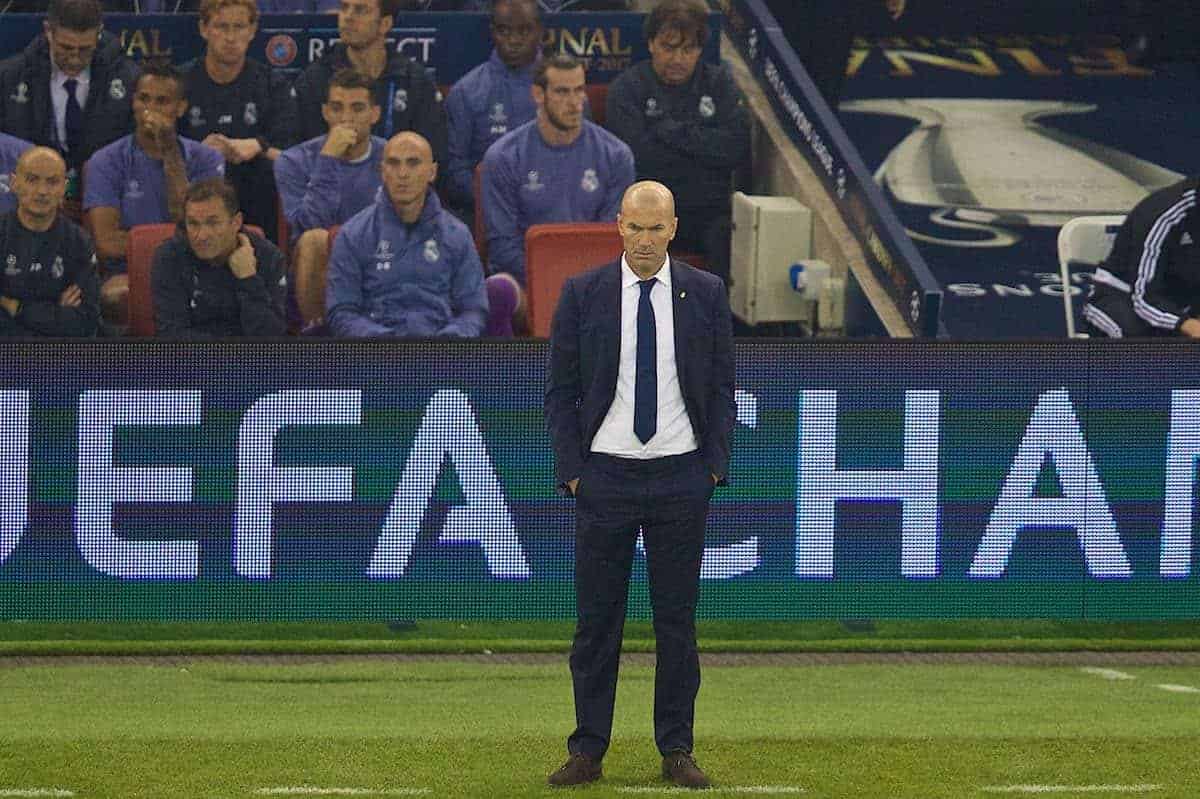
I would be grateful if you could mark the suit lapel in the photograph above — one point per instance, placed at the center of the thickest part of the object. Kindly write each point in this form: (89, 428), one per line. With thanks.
(682, 301)
(606, 302)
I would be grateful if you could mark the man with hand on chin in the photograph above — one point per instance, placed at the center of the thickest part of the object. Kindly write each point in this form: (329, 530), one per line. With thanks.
(326, 180)
(214, 279)
(141, 179)
(48, 283)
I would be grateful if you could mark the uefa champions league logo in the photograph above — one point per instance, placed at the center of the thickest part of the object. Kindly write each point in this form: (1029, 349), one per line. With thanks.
(989, 167)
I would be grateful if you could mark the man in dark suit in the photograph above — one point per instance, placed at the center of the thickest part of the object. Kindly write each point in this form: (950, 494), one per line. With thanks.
(639, 402)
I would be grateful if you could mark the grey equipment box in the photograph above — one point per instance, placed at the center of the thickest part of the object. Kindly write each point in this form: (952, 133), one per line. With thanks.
(769, 235)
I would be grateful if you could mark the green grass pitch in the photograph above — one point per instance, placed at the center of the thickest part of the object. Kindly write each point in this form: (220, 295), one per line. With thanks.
(469, 729)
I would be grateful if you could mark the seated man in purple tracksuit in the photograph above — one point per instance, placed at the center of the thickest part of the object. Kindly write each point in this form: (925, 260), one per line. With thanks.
(141, 179)
(405, 266)
(557, 168)
(326, 180)
(494, 97)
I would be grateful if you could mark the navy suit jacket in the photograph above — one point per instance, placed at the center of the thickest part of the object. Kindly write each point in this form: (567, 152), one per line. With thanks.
(585, 354)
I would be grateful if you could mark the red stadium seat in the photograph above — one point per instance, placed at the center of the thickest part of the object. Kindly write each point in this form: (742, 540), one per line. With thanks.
(144, 240)
(553, 253)
(597, 94)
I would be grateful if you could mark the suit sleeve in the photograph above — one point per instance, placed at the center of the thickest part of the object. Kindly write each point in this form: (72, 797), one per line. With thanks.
(505, 237)
(564, 388)
(722, 409)
(345, 308)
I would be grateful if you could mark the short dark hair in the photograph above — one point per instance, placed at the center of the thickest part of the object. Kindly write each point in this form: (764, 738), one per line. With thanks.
(533, 5)
(689, 18)
(75, 15)
(159, 67)
(210, 188)
(560, 61)
(210, 8)
(390, 8)
(351, 79)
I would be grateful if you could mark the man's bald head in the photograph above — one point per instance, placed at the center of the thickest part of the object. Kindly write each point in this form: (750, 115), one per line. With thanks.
(647, 194)
(40, 183)
(408, 168)
(647, 224)
(408, 140)
(42, 157)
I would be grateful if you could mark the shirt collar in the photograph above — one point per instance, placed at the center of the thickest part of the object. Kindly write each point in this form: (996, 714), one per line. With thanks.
(629, 277)
(58, 77)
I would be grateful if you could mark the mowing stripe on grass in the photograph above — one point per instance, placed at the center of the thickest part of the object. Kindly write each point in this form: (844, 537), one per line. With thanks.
(763, 790)
(1108, 674)
(312, 790)
(1071, 788)
(35, 792)
(1178, 689)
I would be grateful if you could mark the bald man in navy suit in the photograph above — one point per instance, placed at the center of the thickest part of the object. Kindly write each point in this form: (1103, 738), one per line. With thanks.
(639, 403)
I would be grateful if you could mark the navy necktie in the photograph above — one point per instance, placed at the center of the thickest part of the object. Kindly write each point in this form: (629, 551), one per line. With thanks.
(645, 386)
(74, 120)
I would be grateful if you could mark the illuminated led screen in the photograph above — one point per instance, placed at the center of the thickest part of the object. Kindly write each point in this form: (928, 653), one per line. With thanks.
(374, 480)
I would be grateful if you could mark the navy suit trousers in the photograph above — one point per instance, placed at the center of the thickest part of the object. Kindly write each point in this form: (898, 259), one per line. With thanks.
(667, 500)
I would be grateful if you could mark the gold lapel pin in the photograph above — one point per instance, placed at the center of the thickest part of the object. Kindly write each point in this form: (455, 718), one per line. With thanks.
(682, 294)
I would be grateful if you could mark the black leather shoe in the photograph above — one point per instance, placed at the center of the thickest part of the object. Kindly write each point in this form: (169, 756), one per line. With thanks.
(578, 769)
(681, 769)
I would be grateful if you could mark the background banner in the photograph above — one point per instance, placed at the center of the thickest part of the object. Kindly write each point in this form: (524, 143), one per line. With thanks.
(449, 45)
(986, 144)
(378, 480)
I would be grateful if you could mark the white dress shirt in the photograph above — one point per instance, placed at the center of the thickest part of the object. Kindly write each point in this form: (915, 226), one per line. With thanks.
(673, 434)
(58, 98)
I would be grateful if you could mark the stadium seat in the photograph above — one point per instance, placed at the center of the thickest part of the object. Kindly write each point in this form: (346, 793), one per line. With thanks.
(597, 95)
(1083, 243)
(144, 240)
(554, 252)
